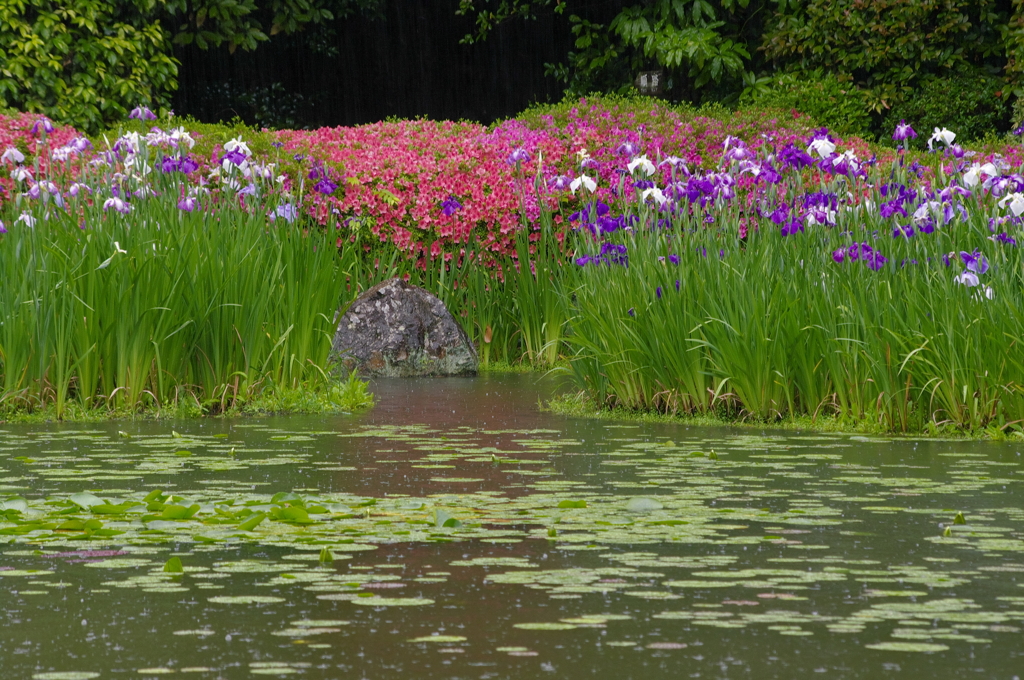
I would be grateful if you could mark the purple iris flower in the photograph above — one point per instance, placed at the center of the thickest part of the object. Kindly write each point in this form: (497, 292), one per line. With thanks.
(792, 227)
(1019, 130)
(974, 262)
(677, 285)
(142, 113)
(188, 165)
(559, 183)
(1002, 237)
(610, 253)
(43, 123)
(188, 203)
(589, 213)
(903, 132)
(674, 259)
(769, 174)
(518, 156)
(839, 255)
(955, 151)
(117, 204)
(906, 231)
(857, 250)
(890, 208)
(821, 199)
(170, 164)
(234, 156)
(657, 292)
(627, 149)
(614, 253)
(631, 311)
(738, 153)
(3, 229)
(286, 211)
(780, 214)
(450, 206)
(821, 133)
(325, 186)
(794, 157)
(875, 260)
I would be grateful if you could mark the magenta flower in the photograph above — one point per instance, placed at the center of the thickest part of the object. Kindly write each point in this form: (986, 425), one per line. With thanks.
(839, 255)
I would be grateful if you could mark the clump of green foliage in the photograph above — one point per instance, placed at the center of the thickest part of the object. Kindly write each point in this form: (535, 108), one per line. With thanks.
(966, 102)
(88, 62)
(837, 105)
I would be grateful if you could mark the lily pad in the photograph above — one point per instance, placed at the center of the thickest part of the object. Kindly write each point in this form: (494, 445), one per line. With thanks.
(908, 647)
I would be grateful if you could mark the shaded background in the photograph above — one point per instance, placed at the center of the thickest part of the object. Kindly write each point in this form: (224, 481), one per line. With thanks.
(405, 62)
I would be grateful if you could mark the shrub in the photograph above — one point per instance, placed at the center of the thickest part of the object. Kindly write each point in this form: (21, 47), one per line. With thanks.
(837, 105)
(967, 103)
(84, 63)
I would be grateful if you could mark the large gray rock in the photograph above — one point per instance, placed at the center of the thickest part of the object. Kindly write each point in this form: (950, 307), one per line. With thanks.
(395, 329)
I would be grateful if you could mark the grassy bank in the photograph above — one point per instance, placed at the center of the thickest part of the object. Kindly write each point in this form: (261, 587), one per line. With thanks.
(581, 405)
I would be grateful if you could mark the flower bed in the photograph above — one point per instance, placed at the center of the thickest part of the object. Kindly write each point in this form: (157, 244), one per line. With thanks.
(752, 264)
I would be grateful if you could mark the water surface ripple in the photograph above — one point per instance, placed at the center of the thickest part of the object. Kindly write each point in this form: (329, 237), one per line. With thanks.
(457, 531)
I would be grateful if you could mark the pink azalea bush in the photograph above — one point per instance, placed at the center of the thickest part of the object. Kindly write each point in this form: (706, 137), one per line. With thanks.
(429, 187)
(16, 133)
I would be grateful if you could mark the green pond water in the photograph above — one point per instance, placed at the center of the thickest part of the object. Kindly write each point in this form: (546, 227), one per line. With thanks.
(457, 532)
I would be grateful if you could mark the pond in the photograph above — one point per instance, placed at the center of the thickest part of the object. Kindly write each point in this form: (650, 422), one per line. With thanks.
(456, 531)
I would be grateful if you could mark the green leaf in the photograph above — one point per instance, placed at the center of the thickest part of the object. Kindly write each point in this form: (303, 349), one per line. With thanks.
(443, 519)
(174, 566)
(253, 521)
(86, 500)
(108, 509)
(172, 512)
(565, 505)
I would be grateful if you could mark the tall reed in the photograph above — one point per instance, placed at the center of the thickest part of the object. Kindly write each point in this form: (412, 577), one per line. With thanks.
(160, 304)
